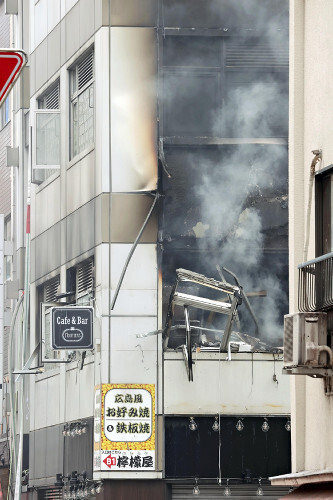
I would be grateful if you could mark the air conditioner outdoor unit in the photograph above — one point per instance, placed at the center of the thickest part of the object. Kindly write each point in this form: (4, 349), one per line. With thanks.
(305, 344)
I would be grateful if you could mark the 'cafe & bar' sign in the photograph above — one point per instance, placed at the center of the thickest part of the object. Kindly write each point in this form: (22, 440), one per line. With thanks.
(72, 327)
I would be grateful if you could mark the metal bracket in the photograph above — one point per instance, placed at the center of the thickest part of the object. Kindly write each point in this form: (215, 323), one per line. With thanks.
(187, 348)
(314, 372)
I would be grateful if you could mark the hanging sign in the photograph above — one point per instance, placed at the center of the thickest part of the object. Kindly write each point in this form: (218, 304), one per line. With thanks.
(72, 327)
(127, 427)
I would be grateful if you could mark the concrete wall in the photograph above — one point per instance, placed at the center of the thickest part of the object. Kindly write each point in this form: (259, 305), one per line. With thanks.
(311, 122)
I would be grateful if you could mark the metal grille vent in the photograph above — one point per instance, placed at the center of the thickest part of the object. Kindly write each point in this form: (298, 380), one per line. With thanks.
(50, 289)
(85, 70)
(84, 277)
(288, 339)
(51, 494)
(241, 55)
(52, 98)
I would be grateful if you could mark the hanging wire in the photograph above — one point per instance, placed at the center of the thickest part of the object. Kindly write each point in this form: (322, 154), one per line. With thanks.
(219, 415)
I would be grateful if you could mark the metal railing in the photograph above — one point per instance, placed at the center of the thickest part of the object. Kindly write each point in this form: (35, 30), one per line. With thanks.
(315, 284)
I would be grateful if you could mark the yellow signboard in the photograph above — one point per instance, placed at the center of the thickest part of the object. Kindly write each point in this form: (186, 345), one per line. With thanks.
(125, 427)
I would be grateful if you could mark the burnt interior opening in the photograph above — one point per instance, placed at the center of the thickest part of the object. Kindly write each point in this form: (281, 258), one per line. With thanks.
(224, 171)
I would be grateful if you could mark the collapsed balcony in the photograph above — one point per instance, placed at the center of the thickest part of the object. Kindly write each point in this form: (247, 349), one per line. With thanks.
(211, 298)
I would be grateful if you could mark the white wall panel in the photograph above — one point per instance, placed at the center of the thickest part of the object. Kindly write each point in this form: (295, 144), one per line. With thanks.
(135, 303)
(53, 14)
(133, 109)
(40, 26)
(133, 367)
(124, 333)
(41, 211)
(87, 181)
(53, 400)
(102, 111)
(142, 269)
(52, 207)
(40, 403)
(72, 395)
(80, 183)
(236, 387)
(86, 390)
(68, 5)
(73, 196)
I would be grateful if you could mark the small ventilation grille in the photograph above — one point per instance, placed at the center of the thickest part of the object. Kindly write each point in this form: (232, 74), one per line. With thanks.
(52, 98)
(241, 55)
(84, 277)
(50, 289)
(51, 494)
(288, 339)
(85, 70)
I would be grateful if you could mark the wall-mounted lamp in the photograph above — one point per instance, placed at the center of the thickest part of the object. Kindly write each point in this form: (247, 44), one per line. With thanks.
(265, 426)
(216, 424)
(196, 490)
(239, 425)
(59, 480)
(193, 425)
(260, 491)
(25, 477)
(227, 490)
(76, 486)
(75, 429)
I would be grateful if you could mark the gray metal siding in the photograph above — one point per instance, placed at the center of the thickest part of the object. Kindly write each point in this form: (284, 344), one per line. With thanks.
(4, 27)
(4, 171)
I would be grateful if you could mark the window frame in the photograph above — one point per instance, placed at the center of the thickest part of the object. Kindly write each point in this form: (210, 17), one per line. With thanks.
(47, 170)
(44, 309)
(5, 113)
(74, 95)
(323, 224)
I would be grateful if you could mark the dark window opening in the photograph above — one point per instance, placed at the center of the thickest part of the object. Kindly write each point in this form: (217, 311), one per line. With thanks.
(324, 211)
(228, 206)
(225, 87)
(246, 454)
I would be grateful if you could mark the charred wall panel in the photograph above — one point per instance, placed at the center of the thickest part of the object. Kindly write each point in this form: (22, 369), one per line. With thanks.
(249, 453)
(223, 13)
(136, 490)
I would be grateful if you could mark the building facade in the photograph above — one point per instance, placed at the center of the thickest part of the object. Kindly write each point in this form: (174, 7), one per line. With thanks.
(310, 173)
(154, 140)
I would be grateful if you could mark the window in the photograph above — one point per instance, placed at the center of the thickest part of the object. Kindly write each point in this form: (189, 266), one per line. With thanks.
(324, 211)
(80, 284)
(315, 287)
(46, 299)
(4, 113)
(46, 152)
(80, 281)
(224, 87)
(82, 105)
(8, 258)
